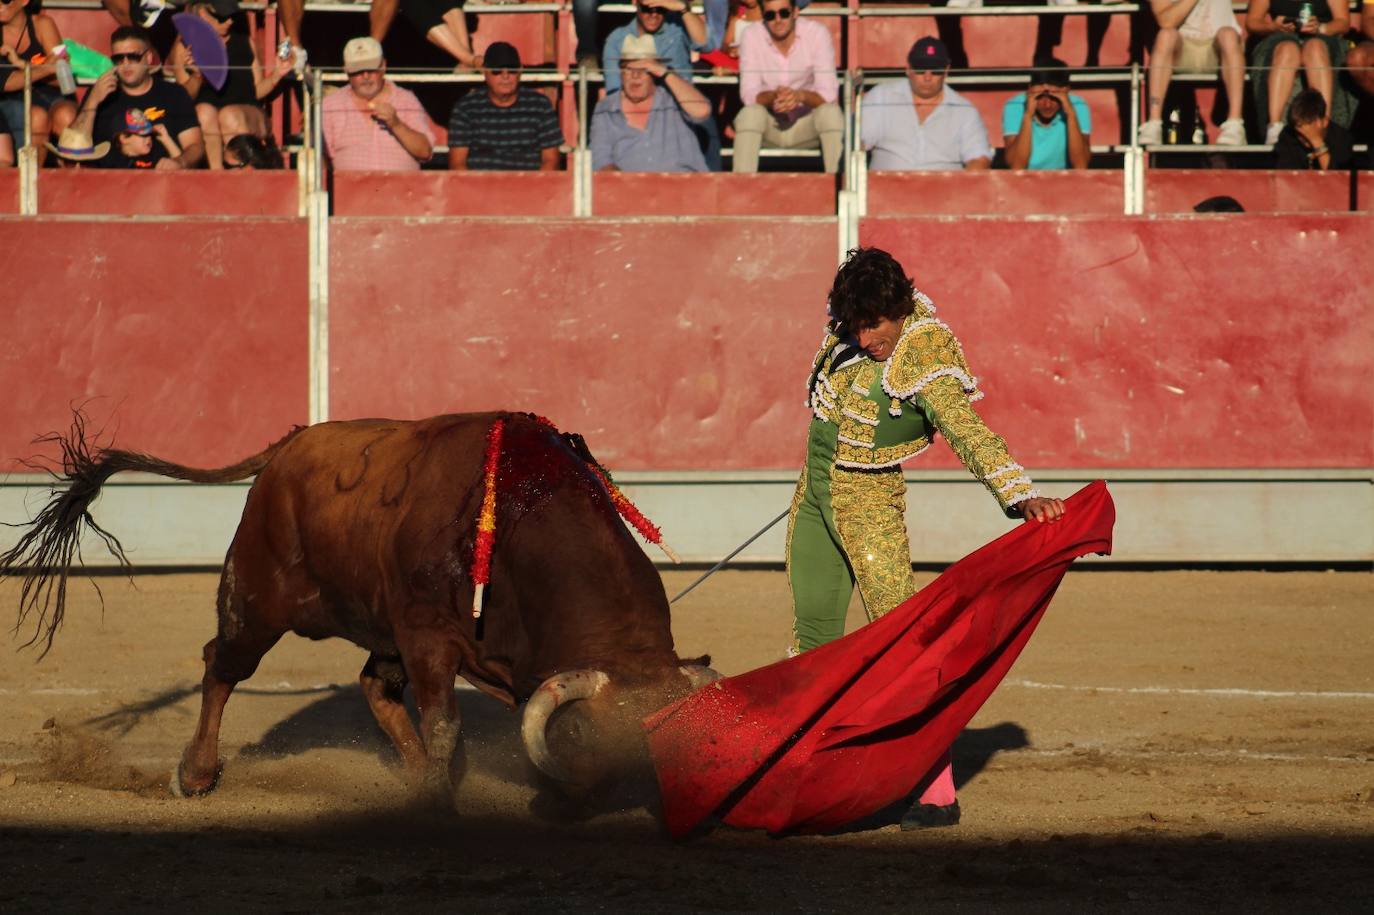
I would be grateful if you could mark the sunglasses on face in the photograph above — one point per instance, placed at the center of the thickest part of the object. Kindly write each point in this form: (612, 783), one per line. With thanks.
(127, 58)
(784, 14)
(504, 72)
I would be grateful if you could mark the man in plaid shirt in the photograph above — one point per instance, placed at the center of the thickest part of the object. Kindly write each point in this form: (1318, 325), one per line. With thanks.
(373, 124)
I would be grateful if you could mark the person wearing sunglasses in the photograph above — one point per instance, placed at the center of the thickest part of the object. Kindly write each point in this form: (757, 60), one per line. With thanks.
(788, 89)
(504, 126)
(372, 124)
(130, 85)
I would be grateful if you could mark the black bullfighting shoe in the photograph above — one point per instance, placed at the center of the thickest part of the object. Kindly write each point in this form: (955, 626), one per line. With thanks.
(930, 816)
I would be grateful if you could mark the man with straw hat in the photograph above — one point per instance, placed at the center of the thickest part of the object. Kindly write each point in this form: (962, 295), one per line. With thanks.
(653, 123)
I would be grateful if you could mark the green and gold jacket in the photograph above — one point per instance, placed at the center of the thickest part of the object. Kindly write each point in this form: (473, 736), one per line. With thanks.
(888, 412)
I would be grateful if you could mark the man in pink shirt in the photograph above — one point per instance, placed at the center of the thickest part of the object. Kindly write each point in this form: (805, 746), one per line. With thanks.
(788, 87)
(373, 124)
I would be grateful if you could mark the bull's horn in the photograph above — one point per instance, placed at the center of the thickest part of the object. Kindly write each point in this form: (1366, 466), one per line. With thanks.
(553, 692)
(698, 675)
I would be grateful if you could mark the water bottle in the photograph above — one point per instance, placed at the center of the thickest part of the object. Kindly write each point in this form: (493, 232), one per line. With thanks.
(66, 82)
(1171, 135)
(1304, 16)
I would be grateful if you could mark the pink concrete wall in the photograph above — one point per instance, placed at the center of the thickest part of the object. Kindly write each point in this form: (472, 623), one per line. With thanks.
(193, 193)
(995, 193)
(1170, 190)
(183, 338)
(1121, 342)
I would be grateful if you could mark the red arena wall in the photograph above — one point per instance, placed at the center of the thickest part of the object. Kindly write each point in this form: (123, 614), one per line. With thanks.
(184, 338)
(1101, 341)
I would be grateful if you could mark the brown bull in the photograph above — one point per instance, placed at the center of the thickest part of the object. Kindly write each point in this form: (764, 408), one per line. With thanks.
(364, 530)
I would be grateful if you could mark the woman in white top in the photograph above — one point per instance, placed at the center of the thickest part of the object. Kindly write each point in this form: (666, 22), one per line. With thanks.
(1196, 36)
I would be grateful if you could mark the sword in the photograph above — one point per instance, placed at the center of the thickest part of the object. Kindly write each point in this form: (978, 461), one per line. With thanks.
(733, 553)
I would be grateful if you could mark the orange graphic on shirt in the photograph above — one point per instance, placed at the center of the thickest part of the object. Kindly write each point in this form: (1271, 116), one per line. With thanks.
(155, 113)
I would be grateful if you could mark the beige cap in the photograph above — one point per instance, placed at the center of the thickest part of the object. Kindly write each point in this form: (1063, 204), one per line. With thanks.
(362, 54)
(639, 47)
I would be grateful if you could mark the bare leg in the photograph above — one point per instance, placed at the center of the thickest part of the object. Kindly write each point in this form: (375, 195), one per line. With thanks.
(119, 9)
(39, 137)
(380, 16)
(1283, 70)
(1232, 71)
(1316, 66)
(1161, 70)
(208, 115)
(384, 682)
(291, 13)
(240, 119)
(6, 151)
(453, 37)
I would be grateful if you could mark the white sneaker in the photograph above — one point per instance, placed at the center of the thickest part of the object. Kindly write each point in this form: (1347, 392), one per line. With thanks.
(1271, 136)
(1151, 133)
(1232, 133)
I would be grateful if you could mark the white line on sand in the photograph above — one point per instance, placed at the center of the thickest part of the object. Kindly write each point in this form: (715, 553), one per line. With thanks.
(1186, 691)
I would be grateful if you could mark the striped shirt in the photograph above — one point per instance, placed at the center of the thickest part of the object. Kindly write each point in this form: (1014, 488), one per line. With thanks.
(504, 139)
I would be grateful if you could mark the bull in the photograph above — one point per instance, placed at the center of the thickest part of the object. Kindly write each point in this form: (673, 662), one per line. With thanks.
(365, 530)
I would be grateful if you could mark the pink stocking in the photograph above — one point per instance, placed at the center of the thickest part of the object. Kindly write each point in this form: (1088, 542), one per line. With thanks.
(937, 788)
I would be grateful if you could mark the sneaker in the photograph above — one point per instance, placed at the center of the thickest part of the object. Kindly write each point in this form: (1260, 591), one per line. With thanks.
(1271, 136)
(1151, 133)
(1232, 133)
(929, 816)
(151, 10)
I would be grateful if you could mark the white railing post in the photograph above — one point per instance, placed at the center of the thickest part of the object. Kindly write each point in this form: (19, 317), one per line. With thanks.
(317, 233)
(27, 156)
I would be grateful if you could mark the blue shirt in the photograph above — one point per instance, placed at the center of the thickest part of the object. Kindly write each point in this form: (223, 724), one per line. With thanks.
(952, 135)
(671, 41)
(666, 144)
(1049, 142)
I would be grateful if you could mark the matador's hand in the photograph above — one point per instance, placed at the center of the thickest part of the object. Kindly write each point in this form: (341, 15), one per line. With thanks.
(1037, 509)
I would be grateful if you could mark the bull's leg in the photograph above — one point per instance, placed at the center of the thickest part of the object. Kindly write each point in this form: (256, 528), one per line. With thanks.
(431, 661)
(227, 661)
(384, 682)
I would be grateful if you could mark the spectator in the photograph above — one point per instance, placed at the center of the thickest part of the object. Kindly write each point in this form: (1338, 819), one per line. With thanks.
(1196, 36)
(919, 123)
(1316, 43)
(740, 16)
(74, 147)
(677, 32)
(1219, 204)
(248, 151)
(372, 124)
(130, 86)
(232, 110)
(442, 22)
(30, 38)
(1310, 140)
(652, 123)
(788, 89)
(508, 127)
(1360, 59)
(1052, 130)
(135, 143)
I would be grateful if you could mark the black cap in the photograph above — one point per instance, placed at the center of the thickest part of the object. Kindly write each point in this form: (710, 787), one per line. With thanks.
(928, 54)
(224, 9)
(501, 55)
(1049, 71)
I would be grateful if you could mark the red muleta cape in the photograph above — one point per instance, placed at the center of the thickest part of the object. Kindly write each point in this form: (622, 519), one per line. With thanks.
(842, 731)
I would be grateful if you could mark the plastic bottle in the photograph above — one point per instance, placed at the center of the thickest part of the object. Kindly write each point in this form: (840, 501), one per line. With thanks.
(66, 82)
(1304, 16)
(1171, 135)
(1199, 135)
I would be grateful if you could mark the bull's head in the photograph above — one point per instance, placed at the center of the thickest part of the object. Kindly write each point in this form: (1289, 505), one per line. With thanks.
(575, 685)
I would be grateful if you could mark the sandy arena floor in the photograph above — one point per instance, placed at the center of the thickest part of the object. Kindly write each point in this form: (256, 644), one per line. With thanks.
(1169, 739)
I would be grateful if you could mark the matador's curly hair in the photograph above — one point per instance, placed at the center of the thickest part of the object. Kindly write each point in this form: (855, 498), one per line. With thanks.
(869, 287)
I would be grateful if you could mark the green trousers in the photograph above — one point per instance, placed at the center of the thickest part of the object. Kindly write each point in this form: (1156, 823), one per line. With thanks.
(846, 527)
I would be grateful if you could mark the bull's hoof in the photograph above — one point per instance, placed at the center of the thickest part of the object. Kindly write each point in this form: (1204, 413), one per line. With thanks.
(179, 787)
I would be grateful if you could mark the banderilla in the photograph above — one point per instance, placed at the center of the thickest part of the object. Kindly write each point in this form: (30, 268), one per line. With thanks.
(733, 553)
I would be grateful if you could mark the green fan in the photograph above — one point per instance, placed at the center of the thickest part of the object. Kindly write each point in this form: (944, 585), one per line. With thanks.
(87, 63)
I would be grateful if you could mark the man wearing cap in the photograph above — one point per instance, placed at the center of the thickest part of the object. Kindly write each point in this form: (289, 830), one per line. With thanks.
(788, 88)
(130, 86)
(507, 127)
(919, 123)
(1052, 130)
(373, 124)
(653, 123)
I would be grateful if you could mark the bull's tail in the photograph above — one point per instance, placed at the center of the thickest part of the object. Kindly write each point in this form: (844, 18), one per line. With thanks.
(44, 553)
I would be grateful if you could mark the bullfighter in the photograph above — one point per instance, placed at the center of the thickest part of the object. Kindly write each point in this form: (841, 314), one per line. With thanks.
(889, 376)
